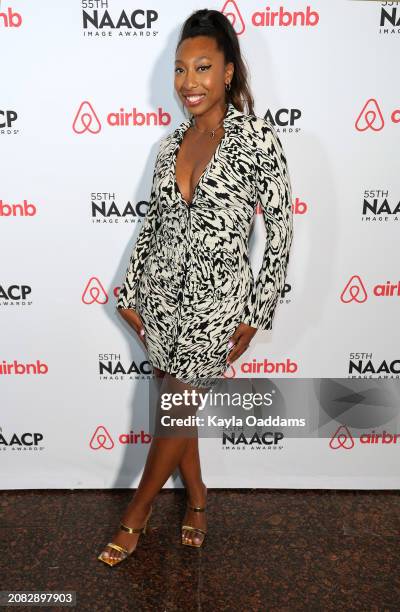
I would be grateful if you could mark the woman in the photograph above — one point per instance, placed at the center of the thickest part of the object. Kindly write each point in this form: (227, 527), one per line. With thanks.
(189, 291)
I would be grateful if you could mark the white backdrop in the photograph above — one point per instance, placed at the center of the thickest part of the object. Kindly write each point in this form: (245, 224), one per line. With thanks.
(73, 191)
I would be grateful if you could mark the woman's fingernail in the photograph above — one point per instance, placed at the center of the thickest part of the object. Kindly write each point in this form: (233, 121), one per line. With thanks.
(230, 343)
(142, 332)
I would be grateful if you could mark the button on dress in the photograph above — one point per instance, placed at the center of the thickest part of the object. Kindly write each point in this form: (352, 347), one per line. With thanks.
(189, 275)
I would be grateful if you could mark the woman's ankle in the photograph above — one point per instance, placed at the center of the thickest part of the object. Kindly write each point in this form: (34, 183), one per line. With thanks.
(197, 494)
(141, 508)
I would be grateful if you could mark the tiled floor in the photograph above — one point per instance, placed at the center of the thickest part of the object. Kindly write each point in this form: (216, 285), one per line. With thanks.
(266, 550)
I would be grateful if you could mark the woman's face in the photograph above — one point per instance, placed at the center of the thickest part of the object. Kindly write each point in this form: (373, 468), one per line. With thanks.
(200, 74)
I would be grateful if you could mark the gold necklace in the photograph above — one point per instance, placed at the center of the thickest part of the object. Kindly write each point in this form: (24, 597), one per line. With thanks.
(212, 132)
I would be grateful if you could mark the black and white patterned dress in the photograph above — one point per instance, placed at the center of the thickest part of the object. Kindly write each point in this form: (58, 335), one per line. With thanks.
(189, 275)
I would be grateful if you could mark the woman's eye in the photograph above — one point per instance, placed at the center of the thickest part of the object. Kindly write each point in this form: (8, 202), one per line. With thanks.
(199, 68)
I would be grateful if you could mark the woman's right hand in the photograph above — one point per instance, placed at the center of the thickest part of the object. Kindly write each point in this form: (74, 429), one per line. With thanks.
(132, 317)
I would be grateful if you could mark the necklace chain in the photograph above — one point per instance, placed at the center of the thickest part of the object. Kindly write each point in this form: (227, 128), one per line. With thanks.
(212, 132)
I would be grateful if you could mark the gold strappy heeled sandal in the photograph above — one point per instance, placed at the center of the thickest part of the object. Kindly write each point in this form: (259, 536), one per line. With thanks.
(122, 549)
(190, 528)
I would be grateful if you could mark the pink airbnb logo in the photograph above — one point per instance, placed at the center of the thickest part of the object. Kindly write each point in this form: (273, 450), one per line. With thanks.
(101, 439)
(230, 372)
(231, 12)
(86, 119)
(94, 292)
(371, 117)
(342, 438)
(354, 291)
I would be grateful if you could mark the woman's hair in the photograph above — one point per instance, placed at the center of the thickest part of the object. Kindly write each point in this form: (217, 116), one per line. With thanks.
(216, 25)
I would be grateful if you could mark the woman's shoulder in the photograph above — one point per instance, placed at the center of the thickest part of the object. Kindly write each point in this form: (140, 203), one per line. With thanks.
(261, 129)
(263, 136)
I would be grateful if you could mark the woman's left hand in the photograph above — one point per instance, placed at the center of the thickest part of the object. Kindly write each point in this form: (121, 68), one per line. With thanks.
(241, 339)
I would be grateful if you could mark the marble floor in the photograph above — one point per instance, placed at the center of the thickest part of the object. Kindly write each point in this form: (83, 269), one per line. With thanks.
(266, 550)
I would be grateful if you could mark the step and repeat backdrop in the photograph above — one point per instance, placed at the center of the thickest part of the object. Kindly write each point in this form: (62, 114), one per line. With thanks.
(86, 93)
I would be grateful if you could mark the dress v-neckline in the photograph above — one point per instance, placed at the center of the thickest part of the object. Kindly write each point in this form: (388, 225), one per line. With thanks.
(211, 162)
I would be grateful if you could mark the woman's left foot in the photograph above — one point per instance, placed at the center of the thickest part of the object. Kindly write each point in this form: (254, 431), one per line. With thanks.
(194, 527)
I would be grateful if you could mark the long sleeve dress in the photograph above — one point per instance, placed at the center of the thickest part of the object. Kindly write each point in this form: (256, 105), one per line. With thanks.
(189, 276)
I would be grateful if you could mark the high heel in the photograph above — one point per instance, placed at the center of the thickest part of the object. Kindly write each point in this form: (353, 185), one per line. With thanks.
(122, 549)
(191, 528)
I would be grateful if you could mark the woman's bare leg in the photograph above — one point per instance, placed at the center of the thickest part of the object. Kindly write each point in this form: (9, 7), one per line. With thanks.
(163, 458)
(190, 470)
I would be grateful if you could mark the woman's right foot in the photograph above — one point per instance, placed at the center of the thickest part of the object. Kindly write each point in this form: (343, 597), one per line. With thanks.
(195, 519)
(133, 518)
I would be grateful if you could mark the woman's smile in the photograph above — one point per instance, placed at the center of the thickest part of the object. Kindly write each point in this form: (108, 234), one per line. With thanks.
(194, 99)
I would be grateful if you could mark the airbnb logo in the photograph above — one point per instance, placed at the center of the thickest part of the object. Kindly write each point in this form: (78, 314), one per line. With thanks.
(262, 367)
(230, 372)
(266, 366)
(231, 12)
(86, 119)
(342, 438)
(269, 18)
(285, 18)
(354, 291)
(137, 119)
(94, 292)
(103, 439)
(371, 117)
(10, 19)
